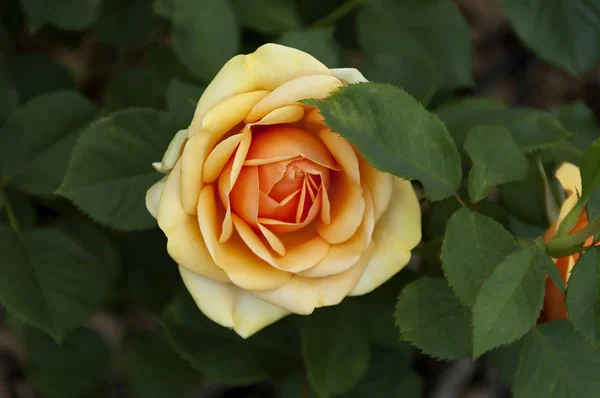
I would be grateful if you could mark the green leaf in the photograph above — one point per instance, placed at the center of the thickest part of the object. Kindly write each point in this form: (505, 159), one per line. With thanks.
(110, 168)
(557, 363)
(114, 26)
(583, 296)
(336, 349)
(65, 14)
(532, 129)
(433, 319)
(78, 366)
(424, 151)
(527, 198)
(196, 24)
(296, 386)
(9, 96)
(510, 300)
(34, 74)
(563, 32)
(135, 86)
(21, 205)
(50, 280)
(155, 370)
(318, 42)
(506, 360)
(473, 245)
(590, 171)
(36, 141)
(390, 375)
(182, 98)
(437, 24)
(216, 352)
(496, 159)
(579, 119)
(269, 17)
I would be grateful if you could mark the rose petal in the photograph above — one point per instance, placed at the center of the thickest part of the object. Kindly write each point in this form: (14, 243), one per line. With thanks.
(286, 114)
(282, 227)
(292, 91)
(219, 156)
(343, 153)
(172, 154)
(185, 243)
(153, 197)
(274, 242)
(380, 184)
(302, 295)
(347, 210)
(348, 75)
(242, 266)
(395, 235)
(244, 195)
(313, 120)
(345, 255)
(268, 67)
(252, 314)
(570, 178)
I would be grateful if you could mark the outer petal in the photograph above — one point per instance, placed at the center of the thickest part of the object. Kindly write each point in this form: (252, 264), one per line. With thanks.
(268, 67)
(343, 153)
(570, 178)
(242, 266)
(252, 314)
(348, 75)
(395, 235)
(302, 295)
(153, 197)
(317, 87)
(172, 153)
(380, 184)
(185, 243)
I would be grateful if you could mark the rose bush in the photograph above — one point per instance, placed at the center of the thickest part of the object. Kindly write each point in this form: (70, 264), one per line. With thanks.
(267, 211)
(554, 301)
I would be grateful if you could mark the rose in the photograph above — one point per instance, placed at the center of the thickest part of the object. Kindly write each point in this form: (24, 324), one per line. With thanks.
(554, 301)
(267, 212)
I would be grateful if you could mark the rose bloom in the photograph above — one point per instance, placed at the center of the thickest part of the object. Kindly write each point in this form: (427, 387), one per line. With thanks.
(554, 301)
(266, 210)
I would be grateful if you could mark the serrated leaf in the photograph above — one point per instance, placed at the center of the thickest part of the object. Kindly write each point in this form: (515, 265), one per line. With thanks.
(196, 24)
(563, 32)
(155, 370)
(65, 14)
(182, 98)
(269, 17)
(390, 375)
(496, 158)
(583, 296)
(557, 363)
(473, 245)
(216, 352)
(34, 74)
(505, 359)
(110, 168)
(437, 24)
(50, 280)
(78, 366)
(424, 151)
(114, 25)
(510, 300)
(335, 348)
(135, 86)
(318, 42)
(433, 319)
(37, 140)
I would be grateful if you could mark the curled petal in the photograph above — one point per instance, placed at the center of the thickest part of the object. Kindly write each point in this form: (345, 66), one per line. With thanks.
(185, 243)
(282, 227)
(268, 67)
(153, 197)
(380, 184)
(290, 92)
(244, 195)
(395, 235)
(348, 75)
(172, 153)
(302, 295)
(286, 114)
(570, 178)
(218, 158)
(241, 265)
(343, 153)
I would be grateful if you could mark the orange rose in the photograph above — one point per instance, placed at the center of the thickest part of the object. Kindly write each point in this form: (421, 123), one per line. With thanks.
(554, 301)
(268, 212)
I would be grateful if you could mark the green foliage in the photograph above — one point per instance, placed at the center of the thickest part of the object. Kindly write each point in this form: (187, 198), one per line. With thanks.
(556, 362)
(424, 151)
(496, 159)
(135, 86)
(64, 14)
(335, 358)
(563, 32)
(115, 27)
(583, 296)
(270, 17)
(590, 171)
(35, 74)
(78, 366)
(110, 169)
(36, 141)
(53, 280)
(473, 245)
(510, 300)
(182, 98)
(318, 42)
(432, 318)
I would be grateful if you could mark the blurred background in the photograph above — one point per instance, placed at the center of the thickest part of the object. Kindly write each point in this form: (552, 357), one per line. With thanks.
(122, 53)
